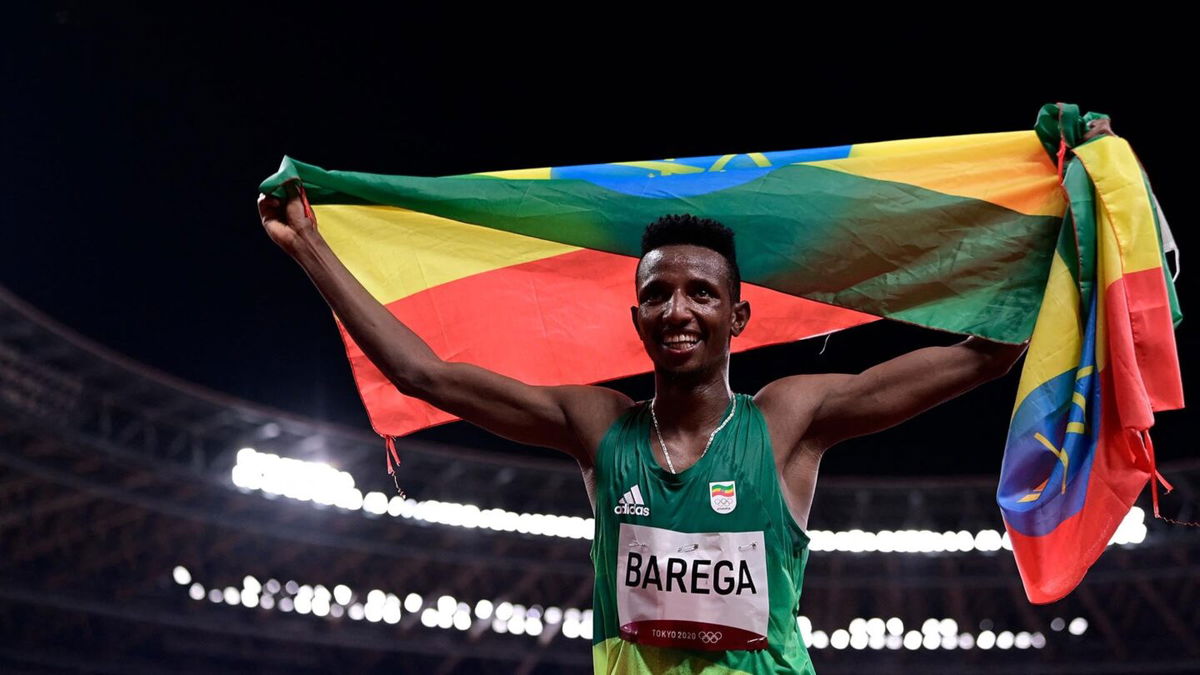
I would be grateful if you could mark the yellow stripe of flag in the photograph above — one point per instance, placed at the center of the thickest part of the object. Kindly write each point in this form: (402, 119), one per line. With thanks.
(1010, 169)
(1054, 348)
(380, 246)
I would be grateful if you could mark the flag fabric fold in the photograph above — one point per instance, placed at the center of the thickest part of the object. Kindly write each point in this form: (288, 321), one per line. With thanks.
(530, 273)
(1102, 360)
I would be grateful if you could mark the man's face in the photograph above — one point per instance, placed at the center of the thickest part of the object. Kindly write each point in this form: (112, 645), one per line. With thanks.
(685, 314)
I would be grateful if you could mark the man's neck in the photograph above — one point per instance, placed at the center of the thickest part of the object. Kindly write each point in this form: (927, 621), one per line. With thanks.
(691, 406)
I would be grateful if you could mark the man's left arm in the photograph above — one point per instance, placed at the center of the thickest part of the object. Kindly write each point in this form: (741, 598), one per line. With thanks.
(893, 391)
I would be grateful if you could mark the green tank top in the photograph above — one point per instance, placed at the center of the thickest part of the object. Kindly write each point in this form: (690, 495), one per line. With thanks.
(700, 571)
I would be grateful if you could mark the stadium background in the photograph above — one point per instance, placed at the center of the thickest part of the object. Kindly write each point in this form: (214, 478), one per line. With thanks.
(133, 140)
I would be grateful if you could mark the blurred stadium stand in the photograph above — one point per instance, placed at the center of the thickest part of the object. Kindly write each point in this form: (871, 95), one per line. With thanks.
(127, 547)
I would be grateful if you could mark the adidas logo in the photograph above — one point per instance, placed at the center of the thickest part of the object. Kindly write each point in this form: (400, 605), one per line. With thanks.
(632, 504)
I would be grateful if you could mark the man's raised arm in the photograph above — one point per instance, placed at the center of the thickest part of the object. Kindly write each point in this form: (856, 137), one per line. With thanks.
(845, 406)
(567, 418)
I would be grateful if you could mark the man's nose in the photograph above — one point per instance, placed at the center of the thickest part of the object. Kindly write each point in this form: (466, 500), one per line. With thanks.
(676, 309)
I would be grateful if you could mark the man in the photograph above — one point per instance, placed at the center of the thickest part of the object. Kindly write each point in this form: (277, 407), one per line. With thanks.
(701, 496)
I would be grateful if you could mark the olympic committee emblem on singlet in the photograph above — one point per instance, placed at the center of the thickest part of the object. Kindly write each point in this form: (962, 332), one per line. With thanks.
(722, 495)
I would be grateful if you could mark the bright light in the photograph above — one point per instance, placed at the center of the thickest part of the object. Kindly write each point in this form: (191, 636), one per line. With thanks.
(840, 639)
(483, 609)
(373, 612)
(322, 484)
(987, 540)
(1132, 529)
(376, 503)
(516, 625)
(391, 613)
(586, 631)
(504, 611)
(412, 602)
(448, 612)
(182, 576)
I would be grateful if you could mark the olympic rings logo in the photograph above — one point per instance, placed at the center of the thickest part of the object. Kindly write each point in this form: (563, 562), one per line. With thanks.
(710, 637)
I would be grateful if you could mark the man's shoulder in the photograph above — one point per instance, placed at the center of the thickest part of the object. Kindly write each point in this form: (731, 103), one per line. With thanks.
(592, 410)
(789, 405)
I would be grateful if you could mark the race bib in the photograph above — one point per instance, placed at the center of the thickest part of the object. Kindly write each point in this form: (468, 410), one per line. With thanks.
(703, 590)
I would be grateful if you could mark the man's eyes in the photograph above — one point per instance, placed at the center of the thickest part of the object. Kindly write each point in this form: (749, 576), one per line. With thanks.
(661, 296)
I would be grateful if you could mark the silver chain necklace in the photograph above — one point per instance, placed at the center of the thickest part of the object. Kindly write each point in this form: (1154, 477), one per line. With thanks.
(711, 436)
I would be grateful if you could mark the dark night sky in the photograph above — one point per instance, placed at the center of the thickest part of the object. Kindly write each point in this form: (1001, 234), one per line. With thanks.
(133, 141)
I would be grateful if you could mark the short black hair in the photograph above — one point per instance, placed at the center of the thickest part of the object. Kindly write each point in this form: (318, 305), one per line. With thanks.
(684, 228)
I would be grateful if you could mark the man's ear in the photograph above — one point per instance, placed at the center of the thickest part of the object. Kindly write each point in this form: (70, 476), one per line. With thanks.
(633, 315)
(741, 316)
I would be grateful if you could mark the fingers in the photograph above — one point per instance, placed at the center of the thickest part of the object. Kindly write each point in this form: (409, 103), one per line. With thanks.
(268, 207)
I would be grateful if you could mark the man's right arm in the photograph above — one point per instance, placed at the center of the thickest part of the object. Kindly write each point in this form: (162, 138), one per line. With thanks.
(568, 418)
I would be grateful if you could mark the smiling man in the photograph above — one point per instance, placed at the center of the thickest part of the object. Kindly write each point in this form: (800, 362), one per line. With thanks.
(701, 495)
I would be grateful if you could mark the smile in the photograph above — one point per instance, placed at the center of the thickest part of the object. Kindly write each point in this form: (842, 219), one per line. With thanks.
(680, 343)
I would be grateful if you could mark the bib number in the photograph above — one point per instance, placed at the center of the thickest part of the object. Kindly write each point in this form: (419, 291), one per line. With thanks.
(704, 591)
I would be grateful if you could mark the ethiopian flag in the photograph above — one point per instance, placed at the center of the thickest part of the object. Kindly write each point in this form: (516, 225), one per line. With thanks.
(530, 272)
(1102, 360)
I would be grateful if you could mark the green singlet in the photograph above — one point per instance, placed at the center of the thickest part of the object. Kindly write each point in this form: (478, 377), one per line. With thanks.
(700, 571)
